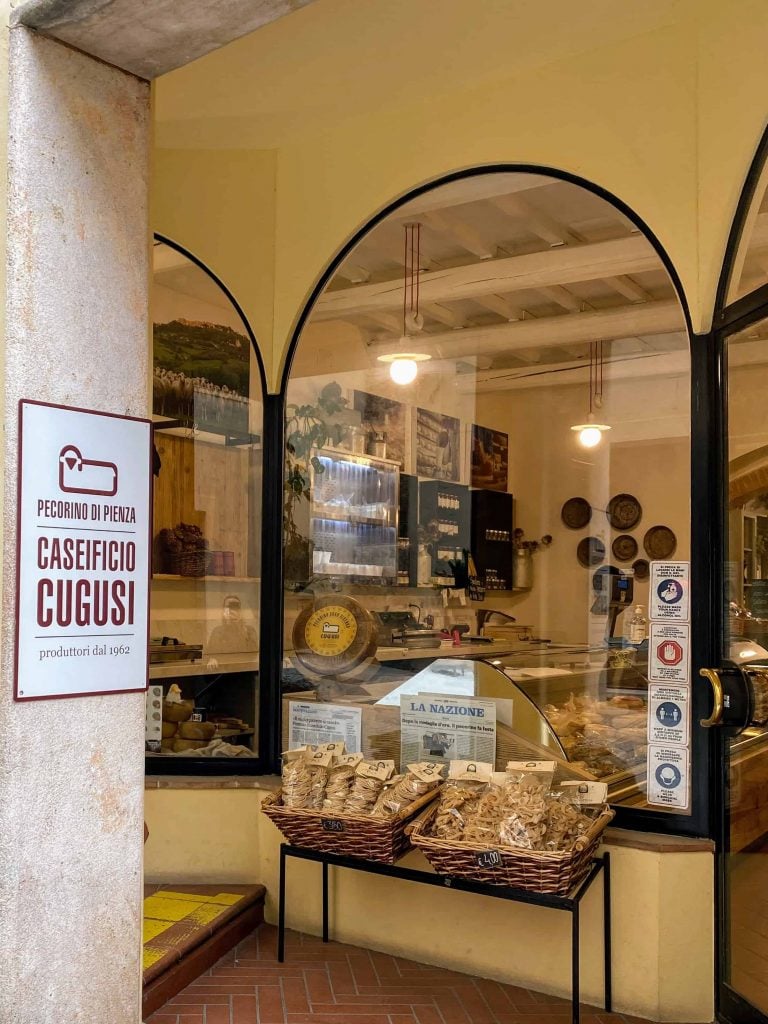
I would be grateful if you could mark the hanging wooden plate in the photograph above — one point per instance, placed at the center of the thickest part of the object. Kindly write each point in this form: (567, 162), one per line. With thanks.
(590, 551)
(576, 513)
(624, 548)
(660, 542)
(642, 569)
(624, 511)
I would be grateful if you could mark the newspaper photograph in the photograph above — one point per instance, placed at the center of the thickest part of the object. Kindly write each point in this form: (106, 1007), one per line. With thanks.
(443, 729)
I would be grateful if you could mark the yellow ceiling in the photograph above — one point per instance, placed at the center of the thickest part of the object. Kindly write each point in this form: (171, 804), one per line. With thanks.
(338, 58)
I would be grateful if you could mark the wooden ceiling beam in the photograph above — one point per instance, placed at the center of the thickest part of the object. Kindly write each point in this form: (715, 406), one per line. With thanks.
(456, 229)
(443, 315)
(498, 304)
(536, 221)
(554, 331)
(562, 297)
(625, 286)
(566, 265)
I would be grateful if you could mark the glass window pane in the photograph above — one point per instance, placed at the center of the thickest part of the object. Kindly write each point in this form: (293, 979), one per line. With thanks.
(750, 268)
(207, 409)
(488, 441)
(746, 643)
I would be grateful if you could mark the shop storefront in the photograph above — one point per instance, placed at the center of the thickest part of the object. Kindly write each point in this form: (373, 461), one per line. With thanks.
(451, 414)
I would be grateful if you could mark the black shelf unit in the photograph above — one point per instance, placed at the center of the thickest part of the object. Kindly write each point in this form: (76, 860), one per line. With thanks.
(447, 504)
(492, 529)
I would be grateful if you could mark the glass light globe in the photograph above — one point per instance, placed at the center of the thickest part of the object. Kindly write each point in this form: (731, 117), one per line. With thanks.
(589, 437)
(403, 371)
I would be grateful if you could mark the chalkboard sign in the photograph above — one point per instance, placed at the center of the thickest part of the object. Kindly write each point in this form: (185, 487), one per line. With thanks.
(757, 598)
(333, 825)
(488, 859)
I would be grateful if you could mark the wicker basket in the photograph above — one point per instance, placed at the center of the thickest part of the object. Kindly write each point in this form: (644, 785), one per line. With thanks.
(186, 563)
(543, 871)
(349, 835)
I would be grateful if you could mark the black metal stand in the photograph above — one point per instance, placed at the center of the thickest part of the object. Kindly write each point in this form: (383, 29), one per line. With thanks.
(569, 903)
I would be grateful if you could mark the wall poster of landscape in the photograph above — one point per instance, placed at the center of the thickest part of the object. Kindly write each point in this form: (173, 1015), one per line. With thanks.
(201, 375)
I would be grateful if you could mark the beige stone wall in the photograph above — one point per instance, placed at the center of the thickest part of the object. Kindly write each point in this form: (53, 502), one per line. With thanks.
(77, 300)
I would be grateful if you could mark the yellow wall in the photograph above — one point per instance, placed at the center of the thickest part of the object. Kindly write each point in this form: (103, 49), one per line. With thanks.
(667, 119)
(220, 207)
(661, 903)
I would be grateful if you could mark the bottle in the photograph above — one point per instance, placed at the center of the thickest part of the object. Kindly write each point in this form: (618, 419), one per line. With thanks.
(637, 625)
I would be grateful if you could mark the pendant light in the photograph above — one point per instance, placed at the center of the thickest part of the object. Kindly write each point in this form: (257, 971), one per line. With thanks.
(590, 434)
(403, 364)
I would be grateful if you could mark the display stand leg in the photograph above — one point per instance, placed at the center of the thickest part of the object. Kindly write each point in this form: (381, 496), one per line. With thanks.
(281, 908)
(325, 901)
(575, 963)
(607, 931)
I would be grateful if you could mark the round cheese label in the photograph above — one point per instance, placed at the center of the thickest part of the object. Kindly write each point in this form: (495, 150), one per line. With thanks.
(330, 631)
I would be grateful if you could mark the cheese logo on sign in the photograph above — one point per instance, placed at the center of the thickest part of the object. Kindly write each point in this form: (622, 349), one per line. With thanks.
(330, 631)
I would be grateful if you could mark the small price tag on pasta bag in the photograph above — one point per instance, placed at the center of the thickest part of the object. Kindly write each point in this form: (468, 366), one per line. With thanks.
(586, 794)
(532, 767)
(322, 757)
(470, 771)
(380, 770)
(426, 771)
(337, 747)
(351, 759)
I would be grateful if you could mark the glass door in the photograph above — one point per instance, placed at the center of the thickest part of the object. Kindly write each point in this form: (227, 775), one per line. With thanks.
(740, 686)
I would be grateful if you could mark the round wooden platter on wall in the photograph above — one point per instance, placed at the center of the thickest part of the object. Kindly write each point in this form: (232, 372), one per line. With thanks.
(334, 636)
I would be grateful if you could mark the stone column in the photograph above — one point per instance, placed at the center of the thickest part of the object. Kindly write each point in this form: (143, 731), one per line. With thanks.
(71, 771)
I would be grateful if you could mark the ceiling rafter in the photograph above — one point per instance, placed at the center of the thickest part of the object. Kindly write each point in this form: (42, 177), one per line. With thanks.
(566, 265)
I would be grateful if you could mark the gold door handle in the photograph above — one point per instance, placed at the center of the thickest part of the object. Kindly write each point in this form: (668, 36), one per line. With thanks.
(716, 718)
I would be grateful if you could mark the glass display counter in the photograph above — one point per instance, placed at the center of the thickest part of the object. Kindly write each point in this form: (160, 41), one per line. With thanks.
(567, 704)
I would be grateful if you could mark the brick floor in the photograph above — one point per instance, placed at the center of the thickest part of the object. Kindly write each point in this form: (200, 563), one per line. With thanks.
(338, 984)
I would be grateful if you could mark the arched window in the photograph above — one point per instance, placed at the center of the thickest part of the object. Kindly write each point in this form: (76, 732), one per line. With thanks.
(207, 408)
(488, 427)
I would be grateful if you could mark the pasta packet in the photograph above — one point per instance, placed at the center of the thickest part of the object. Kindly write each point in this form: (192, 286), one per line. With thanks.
(367, 784)
(407, 788)
(318, 763)
(340, 777)
(459, 797)
(524, 819)
(296, 778)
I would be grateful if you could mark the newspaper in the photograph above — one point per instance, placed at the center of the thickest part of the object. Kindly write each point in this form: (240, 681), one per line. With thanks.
(443, 729)
(312, 722)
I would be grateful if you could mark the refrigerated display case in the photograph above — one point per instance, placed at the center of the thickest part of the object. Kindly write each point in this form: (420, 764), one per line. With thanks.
(353, 516)
(559, 701)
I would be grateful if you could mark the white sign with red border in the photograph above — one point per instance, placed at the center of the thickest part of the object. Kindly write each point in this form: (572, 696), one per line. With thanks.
(668, 591)
(83, 552)
(669, 646)
(669, 715)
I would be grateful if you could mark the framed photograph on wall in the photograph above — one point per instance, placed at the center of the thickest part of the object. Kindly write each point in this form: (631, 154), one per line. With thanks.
(489, 458)
(438, 446)
(385, 418)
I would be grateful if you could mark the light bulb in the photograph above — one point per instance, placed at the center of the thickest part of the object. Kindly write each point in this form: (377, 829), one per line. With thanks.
(403, 371)
(589, 437)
